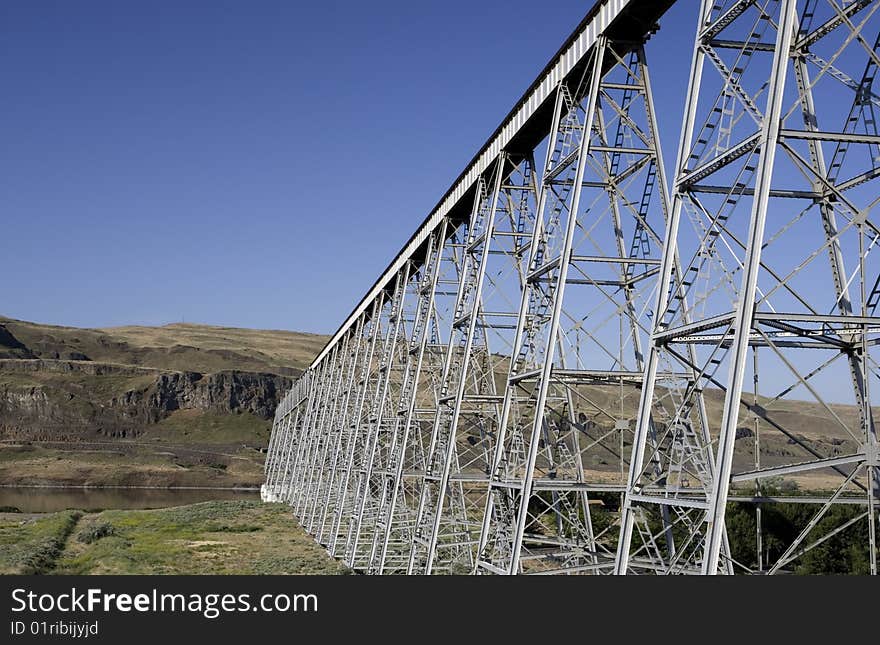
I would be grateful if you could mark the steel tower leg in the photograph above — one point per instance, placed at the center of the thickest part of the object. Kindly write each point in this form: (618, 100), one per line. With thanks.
(318, 473)
(442, 451)
(592, 269)
(545, 307)
(310, 472)
(411, 347)
(454, 488)
(374, 430)
(299, 434)
(309, 432)
(345, 493)
(405, 458)
(281, 432)
(754, 195)
(339, 431)
(285, 427)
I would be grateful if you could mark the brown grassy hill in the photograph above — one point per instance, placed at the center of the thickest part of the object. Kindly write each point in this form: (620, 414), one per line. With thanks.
(179, 346)
(181, 404)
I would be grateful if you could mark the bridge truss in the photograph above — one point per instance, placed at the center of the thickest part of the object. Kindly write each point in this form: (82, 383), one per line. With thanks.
(580, 365)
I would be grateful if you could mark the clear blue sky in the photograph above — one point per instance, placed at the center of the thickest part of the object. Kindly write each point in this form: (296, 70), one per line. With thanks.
(254, 163)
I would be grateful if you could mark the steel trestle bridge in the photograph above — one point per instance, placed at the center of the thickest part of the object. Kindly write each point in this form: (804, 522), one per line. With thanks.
(579, 364)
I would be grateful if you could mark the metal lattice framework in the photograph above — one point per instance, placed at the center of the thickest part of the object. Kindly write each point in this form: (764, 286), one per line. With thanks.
(578, 366)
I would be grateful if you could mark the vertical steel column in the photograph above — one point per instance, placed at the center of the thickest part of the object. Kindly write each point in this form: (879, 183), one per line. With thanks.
(498, 507)
(338, 425)
(342, 357)
(342, 497)
(565, 259)
(307, 436)
(314, 468)
(375, 418)
(392, 480)
(281, 436)
(644, 430)
(443, 450)
(746, 309)
(586, 307)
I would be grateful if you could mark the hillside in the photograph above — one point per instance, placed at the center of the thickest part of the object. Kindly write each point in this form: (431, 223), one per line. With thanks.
(179, 346)
(182, 404)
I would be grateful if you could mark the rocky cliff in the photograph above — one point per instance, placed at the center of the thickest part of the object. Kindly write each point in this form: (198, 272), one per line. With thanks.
(56, 400)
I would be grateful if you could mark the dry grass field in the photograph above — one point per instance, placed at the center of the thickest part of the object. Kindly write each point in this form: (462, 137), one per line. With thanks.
(179, 346)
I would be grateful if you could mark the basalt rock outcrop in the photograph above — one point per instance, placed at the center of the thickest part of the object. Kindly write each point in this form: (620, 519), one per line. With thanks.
(76, 400)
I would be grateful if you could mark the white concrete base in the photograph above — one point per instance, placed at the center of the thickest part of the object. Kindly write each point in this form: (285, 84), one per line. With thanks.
(268, 496)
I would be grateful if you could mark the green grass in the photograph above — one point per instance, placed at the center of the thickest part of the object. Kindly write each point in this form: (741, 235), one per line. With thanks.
(32, 544)
(222, 537)
(110, 457)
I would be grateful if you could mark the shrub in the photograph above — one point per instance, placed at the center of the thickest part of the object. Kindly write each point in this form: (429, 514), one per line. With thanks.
(96, 531)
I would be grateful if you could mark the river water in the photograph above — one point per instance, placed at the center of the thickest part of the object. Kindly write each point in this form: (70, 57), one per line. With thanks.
(48, 500)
